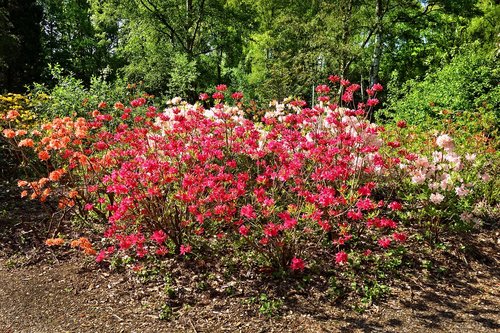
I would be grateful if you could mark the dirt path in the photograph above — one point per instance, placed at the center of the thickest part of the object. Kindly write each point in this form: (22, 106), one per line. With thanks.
(68, 297)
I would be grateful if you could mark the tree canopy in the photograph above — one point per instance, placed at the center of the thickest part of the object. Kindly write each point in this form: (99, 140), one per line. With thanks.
(269, 48)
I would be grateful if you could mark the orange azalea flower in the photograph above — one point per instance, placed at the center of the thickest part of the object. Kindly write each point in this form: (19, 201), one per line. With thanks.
(12, 114)
(64, 202)
(90, 251)
(43, 155)
(24, 193)
(22, 183)
(8, 133)
(73, 194)
(45, 140)
(54, 241)
(65, 140)
(21, 132)
(56, 175)
(82, 159)
(95, 113)
(43, 181)
(26, 143)
(56, 144)
(45, 194)
(84, 244)
(62, 132)
(36, 133)
(46, 126)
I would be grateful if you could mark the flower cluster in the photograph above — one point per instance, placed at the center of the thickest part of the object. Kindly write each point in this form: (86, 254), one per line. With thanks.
(441, 173)
(174, 180)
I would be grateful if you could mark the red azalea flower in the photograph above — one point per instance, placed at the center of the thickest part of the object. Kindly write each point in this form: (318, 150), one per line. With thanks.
(323, 89)
(247, 211)
(384, 242)
(394, 144)
(395, 205)
(243, 230)
(221, 87)
(334, 78)
(377, 87)
(159, 236)
(218, 95)
(101, 256)
(297, 264)
(372, 102)
(161, 251)
(401, 124)
(400, 237)
(341, 258)
(237, 95)
(347, 97)
(101, 145)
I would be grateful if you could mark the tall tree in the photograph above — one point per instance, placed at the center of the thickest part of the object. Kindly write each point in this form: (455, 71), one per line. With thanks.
(158, 38)
(20, 47)
(70, 38)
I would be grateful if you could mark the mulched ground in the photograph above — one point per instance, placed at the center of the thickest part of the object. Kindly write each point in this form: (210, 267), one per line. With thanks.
(56, 291)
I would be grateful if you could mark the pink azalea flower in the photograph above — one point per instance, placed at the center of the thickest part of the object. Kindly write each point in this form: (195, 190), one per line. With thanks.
(185, 249)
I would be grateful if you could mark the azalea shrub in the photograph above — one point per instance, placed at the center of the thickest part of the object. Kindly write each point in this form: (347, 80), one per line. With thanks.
(303, 186)
(449, 183)
(24, 109)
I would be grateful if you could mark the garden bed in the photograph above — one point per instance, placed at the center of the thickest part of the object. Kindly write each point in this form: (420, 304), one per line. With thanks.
(44, 290)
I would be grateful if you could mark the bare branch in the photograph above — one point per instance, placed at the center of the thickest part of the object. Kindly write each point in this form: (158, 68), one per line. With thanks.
(153, 9)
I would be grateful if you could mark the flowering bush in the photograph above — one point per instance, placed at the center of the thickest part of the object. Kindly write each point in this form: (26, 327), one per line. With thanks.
(294, 188)
(444, 184)
(22, 105)
(304, 186)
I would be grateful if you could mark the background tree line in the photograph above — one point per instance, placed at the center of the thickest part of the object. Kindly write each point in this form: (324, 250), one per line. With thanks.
(270, 49)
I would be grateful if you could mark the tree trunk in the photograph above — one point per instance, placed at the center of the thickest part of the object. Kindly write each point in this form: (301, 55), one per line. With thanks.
(377, 51)
(346, 8)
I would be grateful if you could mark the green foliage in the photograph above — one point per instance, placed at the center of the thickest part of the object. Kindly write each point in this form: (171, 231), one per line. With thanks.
(373, 291)
(268, 306)
(468, 83)
(166, 312)
(70, 39)
(70, 97)
(175, 46)
(182, 76)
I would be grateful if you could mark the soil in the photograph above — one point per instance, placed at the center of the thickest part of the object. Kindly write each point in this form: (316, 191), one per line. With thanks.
(59, 290)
